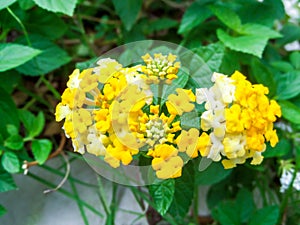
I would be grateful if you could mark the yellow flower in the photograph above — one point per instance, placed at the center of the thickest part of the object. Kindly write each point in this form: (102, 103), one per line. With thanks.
(187, 142)
(81, 120)
(107, 68)
(177, 104)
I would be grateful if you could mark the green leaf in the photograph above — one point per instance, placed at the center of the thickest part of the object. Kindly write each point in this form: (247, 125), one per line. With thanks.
(295, 59)
(10, 162)
(250, 44)
(8, 113)
(38, 125)
(9, 59)
(227, 16)
(161, 24)
(162, 195)
(12, 130)
(282, 66)
(6, 3)
(6, 182)
(266, 216)
(51, 58)
(128, 11)
(9, 80)
(2, 210)
(290, 111)
(45, 23)
(258, 30)
(41, 149)
(245, 205)
(194, 15)
(212, 54)
(62, 6)
(288, 85)
(14, 142)
(26, 4)
(290, 32)
(282, 148)
(184, 191)
(189, 120)
(263, 75)
(226, 213)
(213, 174)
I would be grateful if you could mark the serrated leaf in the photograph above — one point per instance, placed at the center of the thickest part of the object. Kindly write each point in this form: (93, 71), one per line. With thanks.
(290, 111)
(227, 16)
(213, 174)
(2, 210)
(41, 149)
(258, 30)
(8, 112)
(51, 58)
(245, 204)
(9, 59)
(250, 44)
(45, 23)
(266, 216)
(10, 162)
(14, 142)
(62, 6)
(162, 195)
(288, 85)
(128, 11)
(6, 182)
(212, 54)
(6, 3)
(194, 15)
(184, 191)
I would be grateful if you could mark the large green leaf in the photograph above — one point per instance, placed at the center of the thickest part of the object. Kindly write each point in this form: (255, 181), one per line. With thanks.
(10, 162)
(6, 3)
(245, 205)
(250, 44)
(6, 182)
(41, 149)
(212, 54)
(290, 111)
(48, 24)
(13, 55)
(2, 210)
(258, 30)
(226, 213)
(194, 15)
(14, 142)
(62, 6)
(26, 4)
(213, 174)
(288, 85)
(184, 191)
(266, 216)
(8, 112)
(162, 195)
(51, 58)
(128, 11)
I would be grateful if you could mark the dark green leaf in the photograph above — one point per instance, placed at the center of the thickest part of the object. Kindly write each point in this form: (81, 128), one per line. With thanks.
(184, 191)
(41, 149)
(27, 118)
(194, 15)
(288, 85)
(9, 59)
(162, 24)
(52, 57)
(62, 6)
(263, 75)
(290, 32)
(26, 4)
(14, 142)
(290, 111)
(128, 11)
(2, 210)
(212, 54)
(295, 59)
(282, 66)
(10, 162)
(38, 125)
(6, 182)
(266, 216)
(6, 3)
(213, 174)
(9, 80)
(12, 130)
(245, 205)
(162, 195)
(226, 213)
(8, 112)
(45, 23)
(282, 148)
(250, 44)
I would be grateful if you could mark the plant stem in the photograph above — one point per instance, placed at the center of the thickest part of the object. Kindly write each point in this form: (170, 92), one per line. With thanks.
(20, 23)
(50, 87)
(102, 196)
(160, 91)
(195, 205)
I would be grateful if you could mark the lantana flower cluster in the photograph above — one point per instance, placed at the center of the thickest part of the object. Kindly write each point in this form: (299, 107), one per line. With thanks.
(118, 114)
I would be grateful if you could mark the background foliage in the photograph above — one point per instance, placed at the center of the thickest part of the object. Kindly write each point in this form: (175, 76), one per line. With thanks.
(41, 41)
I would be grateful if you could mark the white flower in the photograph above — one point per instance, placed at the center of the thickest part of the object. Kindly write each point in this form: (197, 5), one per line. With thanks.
(286, 179)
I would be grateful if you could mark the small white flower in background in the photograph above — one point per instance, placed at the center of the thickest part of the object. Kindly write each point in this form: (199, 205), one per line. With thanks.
(286, 179)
